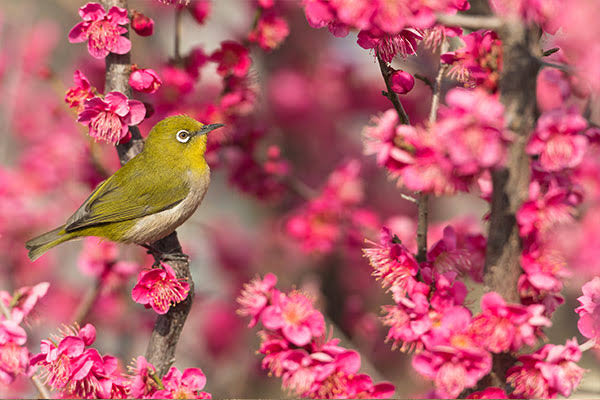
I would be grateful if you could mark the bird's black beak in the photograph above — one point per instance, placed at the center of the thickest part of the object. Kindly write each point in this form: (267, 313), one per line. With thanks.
(210, 127)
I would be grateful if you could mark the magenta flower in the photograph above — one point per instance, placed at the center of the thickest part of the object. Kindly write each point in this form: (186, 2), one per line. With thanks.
(141, 24)
(388, 46)
(502, 327)
(100, 259)
(159, 288)
(295, 316)
(489, 393)
(549, 371)
(589, 311)
(558, 140)
(102, 30)
(393, 264)
(14, 356)
(544, 211)
(23, 300)
(255, 297)
(78, 94)
(453, 369)
(108, 119)
(233, 59)
(200, 9)
(144, 79)
(402, 82)
(186, 385)
(142, 384)
(271, 30)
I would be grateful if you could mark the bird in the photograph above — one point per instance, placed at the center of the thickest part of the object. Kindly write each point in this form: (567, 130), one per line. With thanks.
(148, 197)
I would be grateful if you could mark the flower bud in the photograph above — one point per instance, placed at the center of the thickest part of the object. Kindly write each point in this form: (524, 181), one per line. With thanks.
(142, 25)
(402, 82)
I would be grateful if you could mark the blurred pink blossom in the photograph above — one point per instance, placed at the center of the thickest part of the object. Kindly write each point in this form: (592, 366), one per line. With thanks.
(489, 393)
(22, 301)
(186, 385)
(142, 383)
(78, 94)
(589, 310)
(200, 9)
(159, 289)
(102, 30)
(14, 356)
(108, 119)
(144, 79)
(271, 30)
(233, 58)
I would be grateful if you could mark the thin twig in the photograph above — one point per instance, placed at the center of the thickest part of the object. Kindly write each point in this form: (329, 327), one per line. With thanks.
(178, 33)
(470, 22)
(590, 344)
(408, 198)
(88, 302)
(386, 72)
(41, 388)
(562, 67)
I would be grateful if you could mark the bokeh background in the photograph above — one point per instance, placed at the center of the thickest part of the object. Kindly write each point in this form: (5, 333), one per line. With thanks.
(311, 99)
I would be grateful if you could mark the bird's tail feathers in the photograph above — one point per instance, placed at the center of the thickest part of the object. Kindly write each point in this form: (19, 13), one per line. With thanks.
(41, 244)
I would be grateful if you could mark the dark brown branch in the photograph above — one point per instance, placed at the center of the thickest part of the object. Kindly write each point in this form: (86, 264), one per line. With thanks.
(520, 50)
(168, 327)
(470, 22)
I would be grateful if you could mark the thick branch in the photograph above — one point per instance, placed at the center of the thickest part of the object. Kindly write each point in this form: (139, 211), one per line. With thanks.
(168, 327)
(470, 22)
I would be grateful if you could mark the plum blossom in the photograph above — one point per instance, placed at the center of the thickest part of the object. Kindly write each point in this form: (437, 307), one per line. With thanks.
(141, 24)
(233, 59)
(295, 316)
(386, 46)
(502, 327)
(102, 30)
(142, 382)
(270, 31)
(255, 297)
(144, 79)
(541, 12)
(186, 385)
(558, 140)
(78, 94)
(14, 356)
(22, 301)
(550, 371)
(460, 252)
(393, 264)
(589, 310)
(159, 288)
(489, 393)
(109, 119)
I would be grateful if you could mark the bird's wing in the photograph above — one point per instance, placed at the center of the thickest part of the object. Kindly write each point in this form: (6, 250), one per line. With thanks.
(147, 192)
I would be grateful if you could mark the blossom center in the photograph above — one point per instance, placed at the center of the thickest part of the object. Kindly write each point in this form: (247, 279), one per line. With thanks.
(107, 125)
(102, 34)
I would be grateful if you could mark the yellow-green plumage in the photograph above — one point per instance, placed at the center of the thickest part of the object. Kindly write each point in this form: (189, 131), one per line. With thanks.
(147, 198)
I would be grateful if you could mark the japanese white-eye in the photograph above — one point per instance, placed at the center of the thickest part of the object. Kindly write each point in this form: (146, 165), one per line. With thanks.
(148, 197)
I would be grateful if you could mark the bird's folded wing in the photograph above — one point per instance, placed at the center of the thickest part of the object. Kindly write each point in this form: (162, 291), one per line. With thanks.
(118, 199)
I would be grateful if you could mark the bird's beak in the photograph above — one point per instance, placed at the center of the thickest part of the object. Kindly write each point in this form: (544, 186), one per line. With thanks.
(210, 127)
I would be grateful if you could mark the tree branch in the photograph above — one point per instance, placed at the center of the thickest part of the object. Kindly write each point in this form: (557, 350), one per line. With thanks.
(470, 22)
(88, 302)
(386, 72)
(167, 329)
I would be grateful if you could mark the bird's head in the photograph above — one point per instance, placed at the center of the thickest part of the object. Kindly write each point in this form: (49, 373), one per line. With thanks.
(179, 136)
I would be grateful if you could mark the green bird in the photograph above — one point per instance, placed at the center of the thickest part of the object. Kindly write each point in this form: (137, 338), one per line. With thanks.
(147, 198)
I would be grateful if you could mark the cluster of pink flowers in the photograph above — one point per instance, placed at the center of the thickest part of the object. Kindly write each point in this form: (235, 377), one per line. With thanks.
(159, 288)
(296, 350)
(14, 356)
(335, 216)
(271, 29)
(468, 139)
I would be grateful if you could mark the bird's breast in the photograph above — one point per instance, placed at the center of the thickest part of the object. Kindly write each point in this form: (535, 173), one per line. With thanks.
(156, 226)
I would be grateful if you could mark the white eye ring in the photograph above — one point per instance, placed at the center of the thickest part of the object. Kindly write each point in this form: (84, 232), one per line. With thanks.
(183, 136)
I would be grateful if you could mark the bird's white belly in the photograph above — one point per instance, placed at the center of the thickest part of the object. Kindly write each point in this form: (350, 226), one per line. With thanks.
(156, 226)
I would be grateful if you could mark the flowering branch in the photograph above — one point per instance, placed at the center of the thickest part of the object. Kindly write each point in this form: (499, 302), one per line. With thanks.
(167, 329)
(471, 22)
(393, 97)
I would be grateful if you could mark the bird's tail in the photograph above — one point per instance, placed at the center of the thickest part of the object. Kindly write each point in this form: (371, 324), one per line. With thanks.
(41, 244)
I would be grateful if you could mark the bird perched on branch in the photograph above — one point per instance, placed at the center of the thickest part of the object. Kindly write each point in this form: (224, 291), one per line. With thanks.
(147, 198)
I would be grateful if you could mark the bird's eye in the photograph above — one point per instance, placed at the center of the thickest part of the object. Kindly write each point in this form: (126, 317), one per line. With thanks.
(183, 136)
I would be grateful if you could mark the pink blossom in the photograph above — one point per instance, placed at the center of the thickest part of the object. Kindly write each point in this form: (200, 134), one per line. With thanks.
(479, 62)
(22, 301)
(100, 259)
(558, 140)
(386, 46)
(459, 252)
(393, 264)
(14, 356)
(109, 119)
(271, 30)
(102, 30)
(78, 94)
(142, 383)
(159, 288)
(549, 371)
(255, 297)
(489, 393)
(141, 24)
(541, 12)
(448, 291)
(544, 211)
(233, 58)
(295, 316)
(502, 327)
(402, 82)
(589, 311)
(453, 369)
(186, 385)
(552, 89)
(200, 9)
(144, 79)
